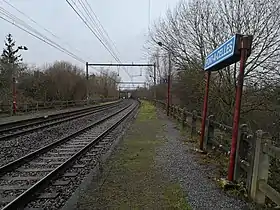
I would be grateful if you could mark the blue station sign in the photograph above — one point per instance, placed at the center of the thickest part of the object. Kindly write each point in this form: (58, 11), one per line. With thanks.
(226, 54)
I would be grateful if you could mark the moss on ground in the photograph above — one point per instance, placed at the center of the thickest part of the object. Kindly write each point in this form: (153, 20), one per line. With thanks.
(131, 179)
(175, 197)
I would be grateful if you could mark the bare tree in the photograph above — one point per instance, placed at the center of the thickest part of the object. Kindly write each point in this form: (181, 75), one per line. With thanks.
(194, 28)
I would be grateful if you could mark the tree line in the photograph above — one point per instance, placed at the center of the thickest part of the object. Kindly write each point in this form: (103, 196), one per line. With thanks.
(193, 29)
(59, 81)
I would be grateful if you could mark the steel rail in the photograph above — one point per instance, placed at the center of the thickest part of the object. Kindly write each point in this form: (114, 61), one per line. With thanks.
(32, 129)
(29, 194)
(16, 163)
(5, 127)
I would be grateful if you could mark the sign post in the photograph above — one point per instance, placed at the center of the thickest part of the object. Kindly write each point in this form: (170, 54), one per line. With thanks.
(168, 83)
(224, 55)
(205, 109)
(245, 46)
(236, 48)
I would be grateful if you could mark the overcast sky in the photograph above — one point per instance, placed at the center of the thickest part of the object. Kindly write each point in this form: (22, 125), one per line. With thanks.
(126, 22)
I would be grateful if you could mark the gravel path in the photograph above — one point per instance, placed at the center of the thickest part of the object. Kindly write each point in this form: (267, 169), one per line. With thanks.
(177, 162)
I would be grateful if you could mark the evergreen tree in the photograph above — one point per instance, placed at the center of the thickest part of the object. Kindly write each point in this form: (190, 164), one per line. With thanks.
(10, 55)
(10, 67)
(10, 60)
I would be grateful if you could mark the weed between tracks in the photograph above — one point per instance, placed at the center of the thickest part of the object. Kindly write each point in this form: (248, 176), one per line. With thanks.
(131, 179)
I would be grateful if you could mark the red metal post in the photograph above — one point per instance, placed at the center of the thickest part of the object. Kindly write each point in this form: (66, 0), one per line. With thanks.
(155, 82)
(14, 96)
(168, 94)
(87, 83)
(169, 83)
(244, 49)
(205, 109)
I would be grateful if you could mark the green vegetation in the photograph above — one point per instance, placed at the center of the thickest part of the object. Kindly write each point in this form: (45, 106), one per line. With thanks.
(60, 81)
(148, 112)
(175, 197)
(191, 43)
(133, 180)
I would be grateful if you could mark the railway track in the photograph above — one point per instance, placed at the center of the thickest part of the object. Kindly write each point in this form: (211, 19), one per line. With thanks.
(20, 146)
(23, 179)
(12, 130)
(7, 126)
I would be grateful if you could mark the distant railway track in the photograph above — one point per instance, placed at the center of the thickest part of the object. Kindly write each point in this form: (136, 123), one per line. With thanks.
(15, 129)
(22, 179)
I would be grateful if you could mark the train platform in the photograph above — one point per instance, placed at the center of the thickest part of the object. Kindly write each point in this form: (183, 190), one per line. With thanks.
(155, 167)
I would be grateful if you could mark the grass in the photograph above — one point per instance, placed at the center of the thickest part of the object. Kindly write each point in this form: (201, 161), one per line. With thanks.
(147, 112)
(133, 180)
(175, 197)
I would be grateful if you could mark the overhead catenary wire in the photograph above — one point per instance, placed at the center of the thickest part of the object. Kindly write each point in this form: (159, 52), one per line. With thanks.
(106, 33)
(95, 30)
(149, 16)
(95, 24)
(38, 36)
(22, 25)
(90, 28)
(39, 25)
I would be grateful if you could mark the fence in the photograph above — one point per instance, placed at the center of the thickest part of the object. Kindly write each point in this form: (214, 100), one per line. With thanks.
(39, 105)
(253, 155)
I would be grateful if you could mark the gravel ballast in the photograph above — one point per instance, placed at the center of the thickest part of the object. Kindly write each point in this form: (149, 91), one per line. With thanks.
(177, 161)
(81, 163)
(42, 113)
(20, 146)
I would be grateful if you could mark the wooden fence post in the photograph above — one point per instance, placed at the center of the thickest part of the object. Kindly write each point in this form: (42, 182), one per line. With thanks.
(240, 150)
(25, 107)
(168, 109)
(11, 109)
(177, 113)
(193, 123)
(180, 115)
(183, 117)
(171, 110)
(209, 132)
(260, 167)
(180, 111)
